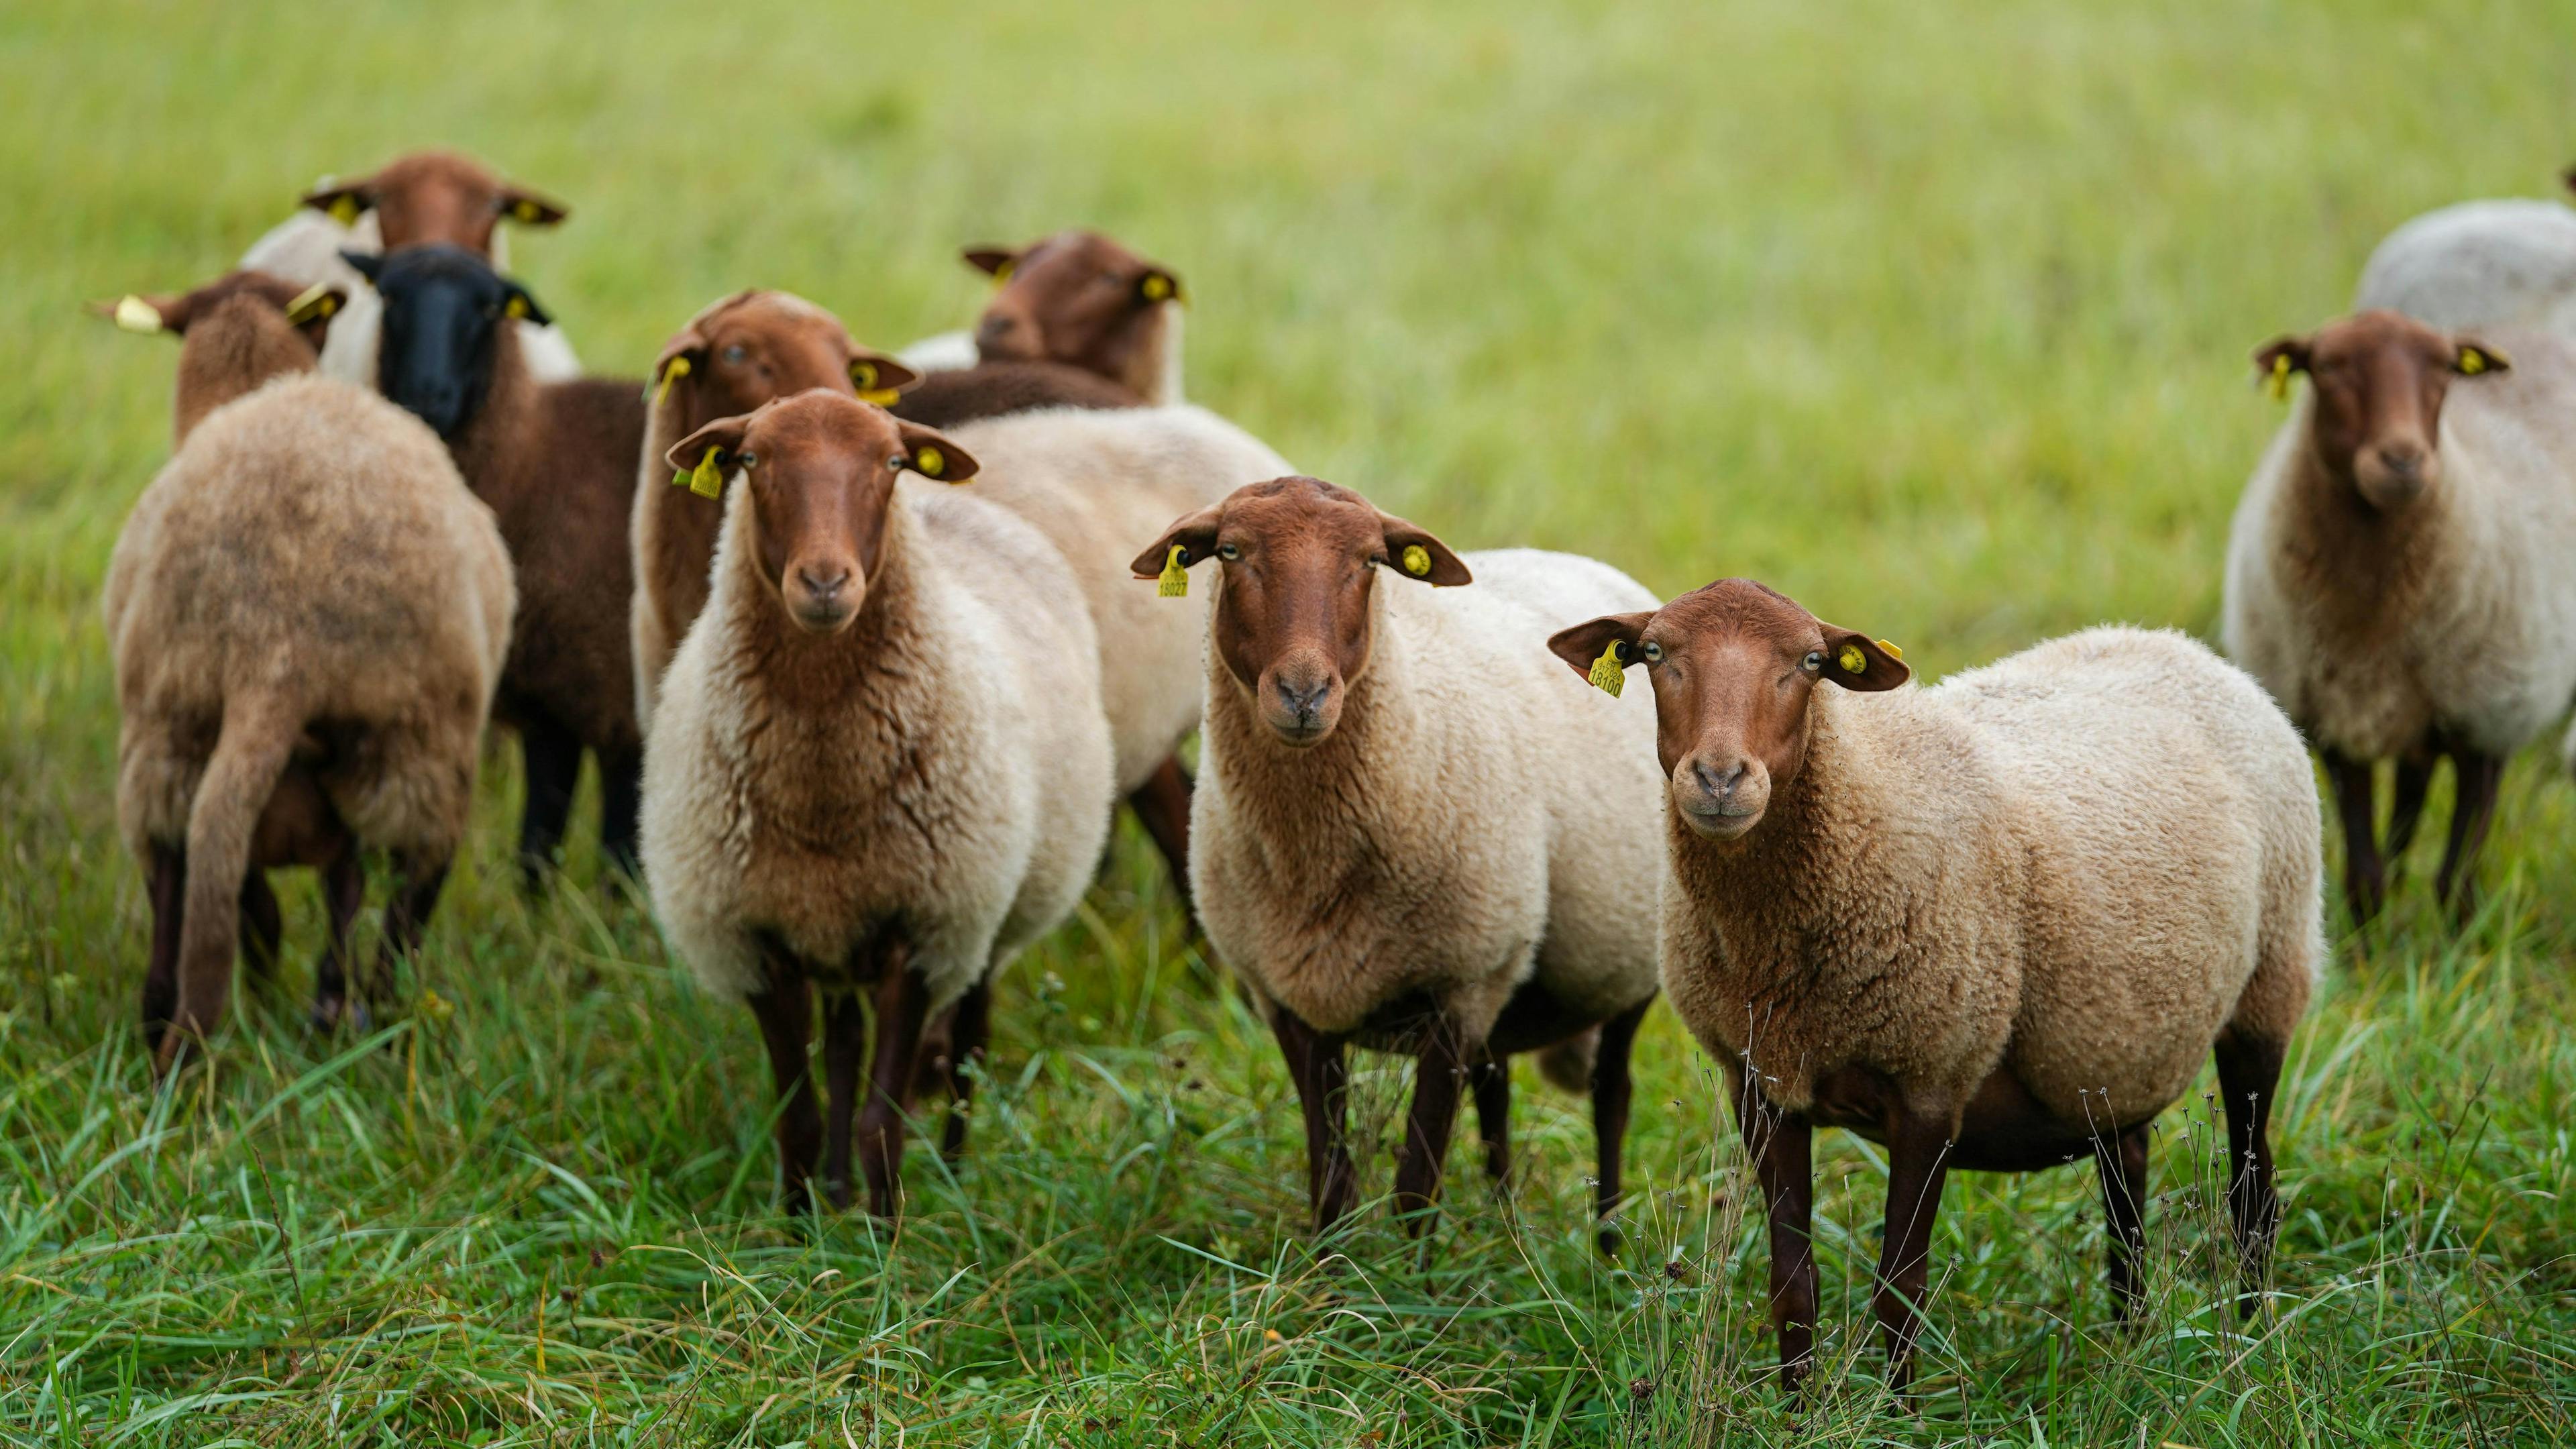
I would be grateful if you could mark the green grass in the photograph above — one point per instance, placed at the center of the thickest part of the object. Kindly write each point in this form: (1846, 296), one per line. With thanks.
(1934, 316)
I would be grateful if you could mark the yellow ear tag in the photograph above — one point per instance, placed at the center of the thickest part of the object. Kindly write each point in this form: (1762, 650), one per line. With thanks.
(1608, 675)
(527, 211)
(1417, 560)
(136, 315)
(1002, 273)
(1852, 660)
(314, 301)
(1892, 651)
(1158, 288)
(929, 462)
(344, 209)
(708, 480)
(2472, 362)
(2280, 383)
(1174, 581)
(678, 369)
(515, 307)
(884, 397)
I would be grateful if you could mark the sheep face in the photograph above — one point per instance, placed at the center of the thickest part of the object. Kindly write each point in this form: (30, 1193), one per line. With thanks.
(821, 469)
(755, 347)
(310, 309)
(1292, 616)
(2380, 379)
(1077, 298)
(443, 309)
(435, 196)
(1733, 666)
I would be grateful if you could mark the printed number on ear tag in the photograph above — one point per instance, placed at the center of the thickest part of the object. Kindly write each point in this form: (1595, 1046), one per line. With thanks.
(1174, 581)
(1608, 675)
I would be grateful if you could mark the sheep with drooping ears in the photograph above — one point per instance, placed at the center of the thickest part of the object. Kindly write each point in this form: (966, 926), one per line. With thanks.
(1411, 832)
(2397, 572)
(878, 766)
(425, 196)
(1994, 925)
(307, 612)
(556, 461)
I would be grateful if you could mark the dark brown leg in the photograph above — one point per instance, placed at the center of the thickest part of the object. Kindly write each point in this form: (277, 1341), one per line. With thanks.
(416, 887)
(845, 1047)
(344, 894)
(1438, 1073)
(902, 1008)
(1610, 1094)
(2414, 777)
(1492, 1082)
(263, 927)
(971, 1033)
(1162, 806)
(1317, 1066)
(550, 758)
(169, 893)
(2365, 882)
(621, 797)
(2475, 778)
(2249, 1075)
(1782, 1145)
(1918, 1164)
(2121, 1163)
(786, 1015)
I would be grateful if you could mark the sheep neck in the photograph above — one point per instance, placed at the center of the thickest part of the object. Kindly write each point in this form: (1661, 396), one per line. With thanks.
(498, 450)
(825, 674)
(2362, 570)
(237, 348)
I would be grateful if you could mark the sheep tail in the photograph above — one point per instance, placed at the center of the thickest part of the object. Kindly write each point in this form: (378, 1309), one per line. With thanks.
(250, 753)
(1568, 1064)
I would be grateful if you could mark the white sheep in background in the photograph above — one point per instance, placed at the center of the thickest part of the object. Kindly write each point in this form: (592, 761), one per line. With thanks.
(2479, 265)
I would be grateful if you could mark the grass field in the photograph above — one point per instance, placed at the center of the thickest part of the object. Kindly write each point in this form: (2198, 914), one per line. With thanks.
(1935, 317)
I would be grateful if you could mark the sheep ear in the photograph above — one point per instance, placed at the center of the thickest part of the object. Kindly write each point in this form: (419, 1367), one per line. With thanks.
(724, 435)
(682, 355)
(1160, 284)
(1417, 555)
(928, 452)
(343, 200)
(138, 314)
(369, 265)
(313, 309)
(995, 260)
(878, 378)
(1607, 643)
(1193, 534)
(530, 209)
(516, 301)
(1862, 664)
(2275, 360)
(2474, 358)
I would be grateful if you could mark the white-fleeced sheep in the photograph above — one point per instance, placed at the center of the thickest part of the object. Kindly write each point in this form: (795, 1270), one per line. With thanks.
(308, 613)
(2398, 571)
(878, 763)
(2479, 265)
(1997, 924)
(1411, 831)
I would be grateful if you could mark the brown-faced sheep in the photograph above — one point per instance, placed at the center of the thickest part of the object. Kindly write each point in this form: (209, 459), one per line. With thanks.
(556, 461)
(1075, 315)
(2397, 574)
(879, 765)
(1994, 925)
(307, 611)
(1412, 832)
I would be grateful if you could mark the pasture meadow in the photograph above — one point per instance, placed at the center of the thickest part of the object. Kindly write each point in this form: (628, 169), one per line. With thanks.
(1934, 316)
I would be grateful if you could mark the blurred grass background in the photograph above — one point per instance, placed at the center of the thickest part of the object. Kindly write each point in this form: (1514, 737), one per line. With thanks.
(1935, 317)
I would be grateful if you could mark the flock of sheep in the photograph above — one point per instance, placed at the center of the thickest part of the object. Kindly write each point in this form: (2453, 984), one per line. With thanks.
(862, 729)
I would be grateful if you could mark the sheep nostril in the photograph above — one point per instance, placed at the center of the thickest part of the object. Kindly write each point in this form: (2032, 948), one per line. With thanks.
(822, 583)
(1719, 782)
(2404, 460)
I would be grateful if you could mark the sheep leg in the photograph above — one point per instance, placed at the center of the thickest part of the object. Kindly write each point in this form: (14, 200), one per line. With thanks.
(785, 1011)
(2121, 1163)
(169, 893)
(902, 1009)
(845, 1045)
(2365, 882)
(970, 1032)
(1610, 1095)
(1492, 1084)
(416, 889)
(1317, 1066)
(2249, 1075)
(344, 894)
(621, 806)
(1782, 1146)
(2474, 779)
(1918, 1165)
(263, 928)
(1438, 1072)
(2414, 775)
(1162, 806)
(550, 758)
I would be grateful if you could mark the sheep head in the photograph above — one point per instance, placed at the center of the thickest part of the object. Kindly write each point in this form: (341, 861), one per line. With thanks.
(434, 196)
(444, 307)
(1080, 299)
(757, 347)
(2380, 379)
(308, 310)
(1734, 666)
(1292, 619)
(821, 468)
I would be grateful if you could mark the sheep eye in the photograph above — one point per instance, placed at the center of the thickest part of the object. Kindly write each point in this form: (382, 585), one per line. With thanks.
(1228, 552)
(746, 459)
(1814, 662)
(897, 461)
(735, 353)
(1651, 652)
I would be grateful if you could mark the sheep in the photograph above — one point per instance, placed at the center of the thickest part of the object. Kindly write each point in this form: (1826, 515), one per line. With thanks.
(2396, 573)
(1073, 300)
(1410, 831)
(307, 612)
(556, 461)
(2479, 265)
(1992, 925)
(425, 196)
(879, 764)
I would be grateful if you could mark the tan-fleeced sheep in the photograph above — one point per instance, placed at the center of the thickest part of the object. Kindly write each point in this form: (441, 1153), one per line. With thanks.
(2398, 573)
(307, 611)
(878, 764)
(1993, 925)
(1411, 831)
